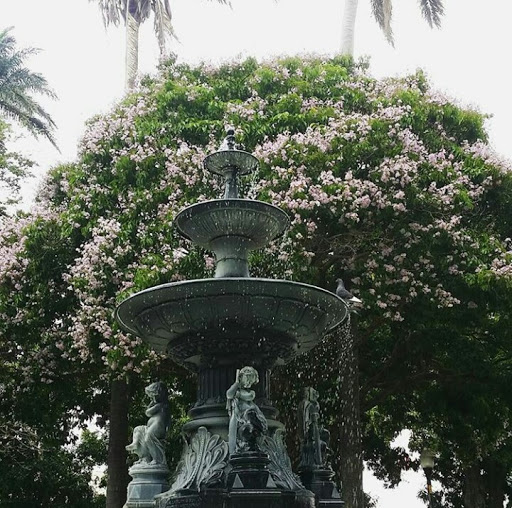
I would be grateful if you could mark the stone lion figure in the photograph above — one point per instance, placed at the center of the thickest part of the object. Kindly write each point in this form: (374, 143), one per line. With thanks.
(149, 440)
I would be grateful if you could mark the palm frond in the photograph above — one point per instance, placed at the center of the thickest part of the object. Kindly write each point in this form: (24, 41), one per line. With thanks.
(21, 78)
(35, 125)
(6, 41)
(432, 11)
(382, 12)
(17, 84)
(162, 22)
(112, 11)
(140, 9)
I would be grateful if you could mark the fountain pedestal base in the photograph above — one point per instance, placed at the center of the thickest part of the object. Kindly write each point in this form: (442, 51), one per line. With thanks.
(251, 485)
(180, 499)
(148, 481)
(319, 481)
(250, 471)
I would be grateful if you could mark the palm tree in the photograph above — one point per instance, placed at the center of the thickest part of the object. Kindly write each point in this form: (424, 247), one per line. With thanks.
(432, 11)
(17, 84)
(134, 13)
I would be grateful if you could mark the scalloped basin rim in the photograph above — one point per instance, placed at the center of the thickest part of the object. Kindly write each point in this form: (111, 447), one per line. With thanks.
(203, 221)
(221, 160)
(232, 281)
(127, 311)
(248, 203)
(231, 203)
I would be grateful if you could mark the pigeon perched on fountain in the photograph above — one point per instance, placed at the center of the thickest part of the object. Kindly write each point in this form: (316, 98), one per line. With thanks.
(346, 295)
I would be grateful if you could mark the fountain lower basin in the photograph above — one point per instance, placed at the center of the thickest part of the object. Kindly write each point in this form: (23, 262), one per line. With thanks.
(260, 320)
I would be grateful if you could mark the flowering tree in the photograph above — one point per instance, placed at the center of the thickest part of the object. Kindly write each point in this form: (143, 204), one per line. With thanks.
(387, 184)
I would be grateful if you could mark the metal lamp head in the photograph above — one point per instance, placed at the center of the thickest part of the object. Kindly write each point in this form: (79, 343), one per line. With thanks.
(427, 459)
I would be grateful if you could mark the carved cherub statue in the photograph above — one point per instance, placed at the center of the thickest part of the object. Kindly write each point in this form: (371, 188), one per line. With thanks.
(149, 440)
(246, 421)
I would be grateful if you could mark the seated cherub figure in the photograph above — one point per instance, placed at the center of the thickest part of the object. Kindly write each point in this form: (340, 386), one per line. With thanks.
(149, 440)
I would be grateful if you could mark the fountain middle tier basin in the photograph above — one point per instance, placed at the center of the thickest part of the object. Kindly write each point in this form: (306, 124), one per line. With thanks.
(255, 221)
(232, 320)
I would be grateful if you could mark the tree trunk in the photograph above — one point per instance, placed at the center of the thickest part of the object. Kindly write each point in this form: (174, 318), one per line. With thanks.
(348, 25)
(132, 50)
(496, 483)
(473, 491)
(348, 427)
(117, 472)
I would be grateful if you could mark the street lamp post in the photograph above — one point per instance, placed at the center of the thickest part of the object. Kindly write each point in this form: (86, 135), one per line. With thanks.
(427, 464)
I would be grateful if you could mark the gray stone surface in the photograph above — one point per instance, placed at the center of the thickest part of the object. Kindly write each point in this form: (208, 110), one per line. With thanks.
(247, 424)
(202, 463)
(148, 481)
(149, 440)
(313, 447)
(280, 464)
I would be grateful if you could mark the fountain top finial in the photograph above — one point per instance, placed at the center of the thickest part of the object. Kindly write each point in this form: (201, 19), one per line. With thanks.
(230, 162)
(229, 141)
(229, 158)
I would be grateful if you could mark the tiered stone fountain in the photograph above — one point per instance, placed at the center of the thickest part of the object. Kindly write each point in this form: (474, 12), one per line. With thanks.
(216, 326)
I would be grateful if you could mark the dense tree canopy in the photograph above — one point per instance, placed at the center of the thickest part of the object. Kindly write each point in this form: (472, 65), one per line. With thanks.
(387, 183)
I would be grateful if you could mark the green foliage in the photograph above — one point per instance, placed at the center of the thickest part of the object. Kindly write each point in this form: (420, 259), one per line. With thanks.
(17, 86)
(387, 184)
(13, 169)
(37, 473)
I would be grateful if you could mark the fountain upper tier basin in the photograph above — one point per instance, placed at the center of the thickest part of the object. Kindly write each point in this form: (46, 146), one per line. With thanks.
(231, 320)
(256, 222)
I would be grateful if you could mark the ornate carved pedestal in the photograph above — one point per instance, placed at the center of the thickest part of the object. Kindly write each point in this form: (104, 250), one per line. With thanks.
(202, 465)
(251, 484)
(319, 481)
(250, 471)
(148, 481)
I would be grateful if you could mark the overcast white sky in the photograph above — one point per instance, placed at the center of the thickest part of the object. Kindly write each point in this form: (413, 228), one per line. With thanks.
(83, 62)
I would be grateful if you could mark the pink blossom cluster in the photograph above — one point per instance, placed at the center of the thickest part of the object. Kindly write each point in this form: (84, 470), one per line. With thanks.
(119, 123)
